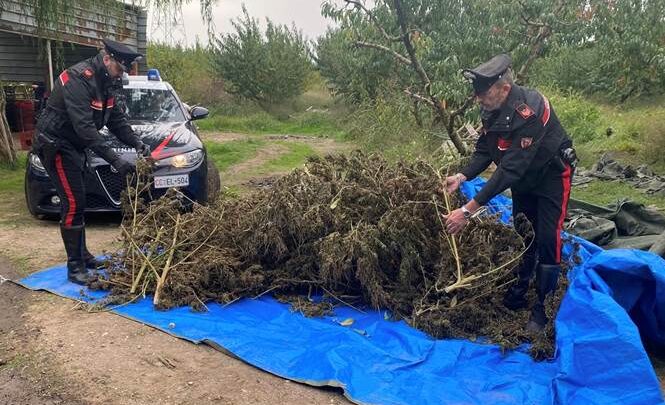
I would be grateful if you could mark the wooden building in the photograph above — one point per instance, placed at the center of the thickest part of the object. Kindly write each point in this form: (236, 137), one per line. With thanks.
(29, 61)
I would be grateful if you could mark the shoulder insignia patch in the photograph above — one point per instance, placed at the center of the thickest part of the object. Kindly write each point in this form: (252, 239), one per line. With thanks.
(526, 142)
(524, 111)
(88, 73)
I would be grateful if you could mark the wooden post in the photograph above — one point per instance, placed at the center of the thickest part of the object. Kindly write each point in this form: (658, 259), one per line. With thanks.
(50, 64)
(7, 150)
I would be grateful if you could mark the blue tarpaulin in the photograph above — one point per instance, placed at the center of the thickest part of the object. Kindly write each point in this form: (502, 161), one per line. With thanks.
(599, 358)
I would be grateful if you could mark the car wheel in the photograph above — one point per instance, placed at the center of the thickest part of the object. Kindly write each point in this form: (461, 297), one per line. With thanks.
(214, 182)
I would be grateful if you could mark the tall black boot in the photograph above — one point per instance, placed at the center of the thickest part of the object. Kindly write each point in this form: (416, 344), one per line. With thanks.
(91, 261)
(547, 278)
(515, 297)
(76, 270)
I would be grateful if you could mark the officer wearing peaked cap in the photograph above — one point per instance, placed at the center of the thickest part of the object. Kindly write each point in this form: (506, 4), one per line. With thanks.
(534, 157)
(83, 100)
(121, 53)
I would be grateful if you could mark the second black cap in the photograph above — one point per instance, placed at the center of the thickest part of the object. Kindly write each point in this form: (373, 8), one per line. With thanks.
(486, 74)
(121, 53)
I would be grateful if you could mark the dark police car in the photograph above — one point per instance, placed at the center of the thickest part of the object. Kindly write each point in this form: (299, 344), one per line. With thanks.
(165, 124)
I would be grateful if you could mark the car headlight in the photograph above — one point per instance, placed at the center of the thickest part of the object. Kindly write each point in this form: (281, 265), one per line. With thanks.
(36, 162)
(188, 159)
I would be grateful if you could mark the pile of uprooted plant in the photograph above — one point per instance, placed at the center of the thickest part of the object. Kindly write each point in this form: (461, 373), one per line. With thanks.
(355, 229)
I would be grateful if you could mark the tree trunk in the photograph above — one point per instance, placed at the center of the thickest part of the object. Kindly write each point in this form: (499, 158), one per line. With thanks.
(416, 114)
(7, 150)
(446, 117)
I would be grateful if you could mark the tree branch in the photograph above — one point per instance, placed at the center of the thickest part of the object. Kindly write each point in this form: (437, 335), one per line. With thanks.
(406, 40)
(544, 32)
(418, 97)
(401, 58)
(427, 84)
(372, 18)
(460, 111)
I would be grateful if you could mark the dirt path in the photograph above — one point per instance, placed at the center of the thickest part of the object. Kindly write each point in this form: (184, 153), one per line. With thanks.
(24, 378)
(241, 174)
(263, 155)
(320, 145)
(35, 244)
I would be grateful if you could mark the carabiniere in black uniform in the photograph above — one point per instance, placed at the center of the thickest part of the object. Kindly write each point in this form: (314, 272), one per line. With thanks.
(535, 159)
(83, 101)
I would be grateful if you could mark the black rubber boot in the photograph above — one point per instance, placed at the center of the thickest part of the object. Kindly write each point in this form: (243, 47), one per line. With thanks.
(90, 261)
(76, 269)
(515, 297)
(547, 278)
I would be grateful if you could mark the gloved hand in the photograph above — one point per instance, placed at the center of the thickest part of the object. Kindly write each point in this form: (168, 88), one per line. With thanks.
(143, 150)
(123, 166)
(569, 156)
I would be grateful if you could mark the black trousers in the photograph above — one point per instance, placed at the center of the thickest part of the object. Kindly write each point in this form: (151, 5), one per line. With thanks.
(545, 205)
(65, 167)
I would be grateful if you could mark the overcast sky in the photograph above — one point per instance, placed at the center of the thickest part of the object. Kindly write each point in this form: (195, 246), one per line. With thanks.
(306, 14)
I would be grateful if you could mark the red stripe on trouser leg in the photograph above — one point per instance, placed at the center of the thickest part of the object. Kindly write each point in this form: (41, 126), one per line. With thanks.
(546, 112)
(565, 180)
(69, 217)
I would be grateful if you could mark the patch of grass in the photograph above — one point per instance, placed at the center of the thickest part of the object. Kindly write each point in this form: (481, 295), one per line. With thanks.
(11, 178)
(251, 123)
(13, 210)
(295, 157)
(317, 96)
(21, 265)
(313, 123)
(313, 113)
(634, 132)
(259, 123)
(18, 361)
(580, 117)
(607, 192)
(232, 191)
(227, 154)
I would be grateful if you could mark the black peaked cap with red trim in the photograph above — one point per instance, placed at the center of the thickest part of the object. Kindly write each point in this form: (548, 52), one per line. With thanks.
(121, 53)
(486, 74)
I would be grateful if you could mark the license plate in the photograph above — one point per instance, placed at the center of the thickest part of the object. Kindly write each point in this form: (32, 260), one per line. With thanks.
(178, 180)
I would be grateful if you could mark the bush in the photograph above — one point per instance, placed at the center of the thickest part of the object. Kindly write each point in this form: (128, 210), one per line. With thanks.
(386, 125)
(267, 68)
(654, 138)
(351, 73)
(579, 117)
(189, 71)
(617, 53)
(247, 122)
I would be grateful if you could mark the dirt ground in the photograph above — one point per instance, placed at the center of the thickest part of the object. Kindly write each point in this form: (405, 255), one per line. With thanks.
(51, 352)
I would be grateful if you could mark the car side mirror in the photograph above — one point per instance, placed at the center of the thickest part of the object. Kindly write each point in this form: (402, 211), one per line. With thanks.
(198, 112)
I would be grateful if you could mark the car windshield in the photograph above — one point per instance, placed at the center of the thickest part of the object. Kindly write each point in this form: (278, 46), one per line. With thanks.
(152, 105)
